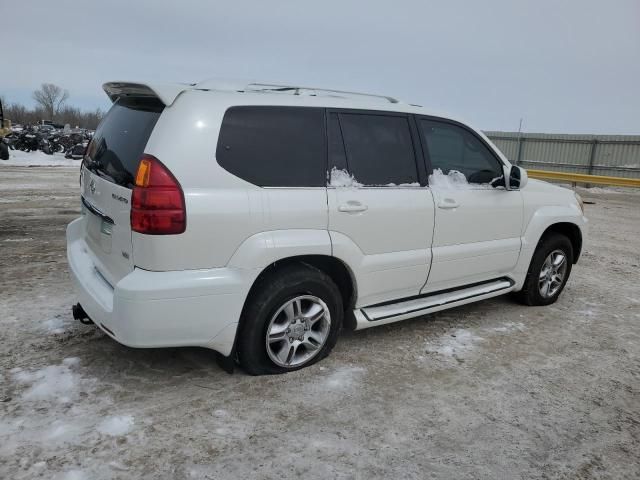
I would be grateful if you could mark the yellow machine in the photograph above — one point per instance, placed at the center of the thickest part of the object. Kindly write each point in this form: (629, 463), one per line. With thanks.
(5, 123)
(5, 128)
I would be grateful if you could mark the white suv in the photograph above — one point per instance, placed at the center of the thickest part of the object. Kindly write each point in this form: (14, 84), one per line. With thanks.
(258, 220)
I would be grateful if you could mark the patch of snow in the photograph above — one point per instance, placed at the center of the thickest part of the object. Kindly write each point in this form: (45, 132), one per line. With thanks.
(55, 382)
(118, 466)
(413, 184)
(342, 378)
(454, 344)
(600, 190)
(116, 426)
(71, 361)
(57, 430)
(510, 327)
(71, 475)
(18, 239)
(55, 325)
(18, 158)
(343, 179)
(454, 180)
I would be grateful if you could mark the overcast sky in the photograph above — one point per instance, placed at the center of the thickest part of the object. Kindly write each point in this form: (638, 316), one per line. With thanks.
(564, 66)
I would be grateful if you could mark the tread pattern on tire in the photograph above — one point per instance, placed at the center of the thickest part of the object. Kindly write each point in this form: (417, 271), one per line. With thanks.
(530, 295)
(270, 291)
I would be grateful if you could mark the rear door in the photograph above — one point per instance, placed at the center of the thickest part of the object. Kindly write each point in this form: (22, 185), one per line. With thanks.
(381, 212)
(107, 178)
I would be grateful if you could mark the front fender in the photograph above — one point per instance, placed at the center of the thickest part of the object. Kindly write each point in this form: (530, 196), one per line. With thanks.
(541, 219)
(544, 217)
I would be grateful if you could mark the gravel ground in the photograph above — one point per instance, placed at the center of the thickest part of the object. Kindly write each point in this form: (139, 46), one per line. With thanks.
(490, 390)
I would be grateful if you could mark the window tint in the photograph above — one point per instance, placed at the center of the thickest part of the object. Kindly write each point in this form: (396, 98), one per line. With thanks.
(115, 149)
(274, 146)
(378, 148)
(454, 148)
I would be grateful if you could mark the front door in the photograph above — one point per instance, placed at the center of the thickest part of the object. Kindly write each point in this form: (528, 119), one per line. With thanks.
(477, 223)
(381, 212)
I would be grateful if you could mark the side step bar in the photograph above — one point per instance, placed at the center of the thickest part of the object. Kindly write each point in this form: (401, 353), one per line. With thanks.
(392, 312)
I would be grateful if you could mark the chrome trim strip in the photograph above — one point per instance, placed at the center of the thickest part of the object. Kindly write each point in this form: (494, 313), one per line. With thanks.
(95, 211)
(411, 306)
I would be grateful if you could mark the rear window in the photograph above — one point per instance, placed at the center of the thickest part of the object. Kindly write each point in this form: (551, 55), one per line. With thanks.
(274, 146)
(119, 141)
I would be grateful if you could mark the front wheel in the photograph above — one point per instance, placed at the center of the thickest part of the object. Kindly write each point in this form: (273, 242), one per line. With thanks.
(549, 271)
(291, 321)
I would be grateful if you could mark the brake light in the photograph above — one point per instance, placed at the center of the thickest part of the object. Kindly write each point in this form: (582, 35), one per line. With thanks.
(157, 201)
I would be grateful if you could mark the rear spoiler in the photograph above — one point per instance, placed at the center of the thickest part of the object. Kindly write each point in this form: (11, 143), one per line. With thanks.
(165, 92)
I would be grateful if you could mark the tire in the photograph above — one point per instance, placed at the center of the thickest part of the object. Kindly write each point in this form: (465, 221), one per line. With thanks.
(533, 291)
(298, 302)
(4, 151)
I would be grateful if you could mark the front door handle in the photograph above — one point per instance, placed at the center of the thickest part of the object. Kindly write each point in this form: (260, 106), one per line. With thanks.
(448, 203)
(352, 207)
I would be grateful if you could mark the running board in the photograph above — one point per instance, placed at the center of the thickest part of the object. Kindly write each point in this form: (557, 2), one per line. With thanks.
(392, 312)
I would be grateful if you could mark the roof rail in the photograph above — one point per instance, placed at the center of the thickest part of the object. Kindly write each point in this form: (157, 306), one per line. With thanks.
(251, 86)
(272, 87)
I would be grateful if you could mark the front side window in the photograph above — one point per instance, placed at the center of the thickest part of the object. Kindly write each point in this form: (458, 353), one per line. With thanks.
(378, 148)
(452, 147)
(274, 146)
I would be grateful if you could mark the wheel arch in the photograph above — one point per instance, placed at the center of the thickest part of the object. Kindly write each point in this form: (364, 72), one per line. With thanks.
(339, 272)
(569, 230)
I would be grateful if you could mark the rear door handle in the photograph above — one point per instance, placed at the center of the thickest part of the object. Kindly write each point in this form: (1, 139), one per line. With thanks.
(352, 207)
(448, 203)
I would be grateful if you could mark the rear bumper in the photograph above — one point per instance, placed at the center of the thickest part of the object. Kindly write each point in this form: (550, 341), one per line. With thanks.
(160, 309)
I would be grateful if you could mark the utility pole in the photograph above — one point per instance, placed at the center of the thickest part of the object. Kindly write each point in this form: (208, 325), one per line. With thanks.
(519, 154)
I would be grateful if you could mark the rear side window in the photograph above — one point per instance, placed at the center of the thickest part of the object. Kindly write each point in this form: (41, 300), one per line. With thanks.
(379, 149)
(274, 146)
(115, 149)
(454, 148)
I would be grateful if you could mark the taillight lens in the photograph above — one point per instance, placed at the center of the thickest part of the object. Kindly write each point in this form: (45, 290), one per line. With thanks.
(157, 202)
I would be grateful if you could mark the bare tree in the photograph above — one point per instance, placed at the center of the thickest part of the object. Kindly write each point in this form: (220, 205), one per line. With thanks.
(51, 98)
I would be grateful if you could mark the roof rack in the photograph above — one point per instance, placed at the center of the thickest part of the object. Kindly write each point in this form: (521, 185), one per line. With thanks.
(296, 90)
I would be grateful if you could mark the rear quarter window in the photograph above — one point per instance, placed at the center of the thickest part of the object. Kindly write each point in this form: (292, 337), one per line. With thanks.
(274, 146)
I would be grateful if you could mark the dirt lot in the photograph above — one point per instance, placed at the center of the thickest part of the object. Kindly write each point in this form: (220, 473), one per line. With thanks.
(491, 390)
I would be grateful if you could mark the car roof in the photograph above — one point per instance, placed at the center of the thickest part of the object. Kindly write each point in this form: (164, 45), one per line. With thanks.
(275, 94)
(242, 92)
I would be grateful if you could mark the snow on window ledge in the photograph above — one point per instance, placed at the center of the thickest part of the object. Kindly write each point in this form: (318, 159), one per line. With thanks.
(455, 180)
(342, 179)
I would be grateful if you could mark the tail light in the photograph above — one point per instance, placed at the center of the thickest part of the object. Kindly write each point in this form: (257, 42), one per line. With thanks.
(157, 202)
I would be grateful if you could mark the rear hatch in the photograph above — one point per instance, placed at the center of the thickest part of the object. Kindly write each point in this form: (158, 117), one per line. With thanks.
(107, 178)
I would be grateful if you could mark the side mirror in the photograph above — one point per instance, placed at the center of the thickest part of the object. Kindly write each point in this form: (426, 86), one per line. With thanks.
(516, 178)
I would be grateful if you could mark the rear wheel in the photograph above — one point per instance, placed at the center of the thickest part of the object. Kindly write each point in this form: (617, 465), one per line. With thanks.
(291, 321)
(549, 271)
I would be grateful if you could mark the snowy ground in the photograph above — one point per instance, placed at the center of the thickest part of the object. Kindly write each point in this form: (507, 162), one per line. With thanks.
(38, 159)
(493, 390)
